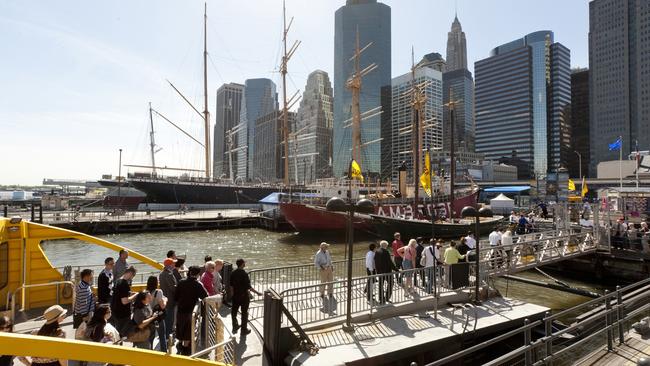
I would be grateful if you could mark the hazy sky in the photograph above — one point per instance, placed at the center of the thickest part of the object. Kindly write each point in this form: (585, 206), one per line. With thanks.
(76, 76)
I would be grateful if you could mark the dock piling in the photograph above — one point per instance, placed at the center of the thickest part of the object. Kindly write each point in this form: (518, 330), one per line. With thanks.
(527, 340)
(548, 332)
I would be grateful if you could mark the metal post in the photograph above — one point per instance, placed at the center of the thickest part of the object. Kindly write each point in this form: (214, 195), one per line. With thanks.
(348, 314)
(477, 279)
(548, 332)
(619, 315)
(6, 211)
(40, 213)
(608, 322)
(33, 213)
(527, 340)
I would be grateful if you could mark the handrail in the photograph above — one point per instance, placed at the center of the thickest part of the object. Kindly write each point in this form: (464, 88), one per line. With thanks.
(11, 297)
(212, 348)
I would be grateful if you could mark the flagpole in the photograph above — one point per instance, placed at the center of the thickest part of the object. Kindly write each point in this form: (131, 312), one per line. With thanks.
(637, 163)
(620, 163)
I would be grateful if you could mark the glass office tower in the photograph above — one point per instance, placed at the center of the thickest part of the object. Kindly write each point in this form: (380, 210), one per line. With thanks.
(373, 21)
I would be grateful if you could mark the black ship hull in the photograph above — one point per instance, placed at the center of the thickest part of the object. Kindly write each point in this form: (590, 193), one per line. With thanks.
(164, 192)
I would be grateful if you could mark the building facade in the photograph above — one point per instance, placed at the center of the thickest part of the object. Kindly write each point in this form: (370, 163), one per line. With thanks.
(268, 157)
(456, 47)
(227, 113)
(619, 76)
(311, 150)
(372, 20)
(403, 138)
(259, 99)
(458, 86)
(523, 93)
(579, 123)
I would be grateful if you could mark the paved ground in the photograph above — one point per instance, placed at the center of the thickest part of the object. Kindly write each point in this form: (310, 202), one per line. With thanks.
(634, 348)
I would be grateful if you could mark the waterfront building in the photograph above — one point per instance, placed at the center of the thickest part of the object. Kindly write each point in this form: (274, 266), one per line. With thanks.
(372, 20)
(498, 172)
(313, 145)
(259, 99)
(402, 117)
(456, 47)
(619, 76)
(523, 93)
(466, 163)
(579, 123)
(268, 157)
(227, 113)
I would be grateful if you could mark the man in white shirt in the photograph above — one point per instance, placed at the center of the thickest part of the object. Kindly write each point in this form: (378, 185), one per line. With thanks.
(506, 240)
(429, 254)
(495, 241)
(323, 261)
(513, 219)
(370, 270)
(470, 241)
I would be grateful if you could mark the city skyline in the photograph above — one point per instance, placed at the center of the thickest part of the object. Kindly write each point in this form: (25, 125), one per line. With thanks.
(101, 71)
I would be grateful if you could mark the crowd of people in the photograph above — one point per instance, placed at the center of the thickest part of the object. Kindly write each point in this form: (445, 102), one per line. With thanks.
(162, 311)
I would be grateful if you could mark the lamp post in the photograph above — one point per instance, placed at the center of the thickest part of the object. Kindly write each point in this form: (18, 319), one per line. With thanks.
(579, 163)
(337, 204)
(471, 211)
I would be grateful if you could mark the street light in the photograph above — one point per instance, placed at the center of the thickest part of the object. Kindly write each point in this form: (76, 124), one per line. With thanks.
(471, 211)
(336, 204)
(579, 163)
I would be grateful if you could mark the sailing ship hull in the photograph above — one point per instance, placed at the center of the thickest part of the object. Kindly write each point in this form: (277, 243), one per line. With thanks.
(310, 218)
(387, 226)
(164, 192)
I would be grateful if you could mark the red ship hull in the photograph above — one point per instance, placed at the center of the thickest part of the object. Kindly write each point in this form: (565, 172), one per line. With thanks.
(310, 218)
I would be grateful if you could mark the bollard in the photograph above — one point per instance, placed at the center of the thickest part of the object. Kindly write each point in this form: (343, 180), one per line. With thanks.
(527, 340)
(619, 315)
(608, 322)
(548, 332)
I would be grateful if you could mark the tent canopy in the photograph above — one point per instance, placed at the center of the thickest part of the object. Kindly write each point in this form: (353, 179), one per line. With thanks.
(502, 198)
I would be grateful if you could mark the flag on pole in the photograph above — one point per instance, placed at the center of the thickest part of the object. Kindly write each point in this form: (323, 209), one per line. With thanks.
(584, 187)
(355, 171)
(616, 145)
(572, 185)
(425, 178)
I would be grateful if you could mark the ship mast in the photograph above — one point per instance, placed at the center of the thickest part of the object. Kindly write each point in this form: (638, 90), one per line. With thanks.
(452, 150)
(287, 103)
(206, 113)
(417, 129)
(152, 143)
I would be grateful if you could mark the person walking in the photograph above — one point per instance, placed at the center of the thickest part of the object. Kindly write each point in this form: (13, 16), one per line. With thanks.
(323, 261)
(105, 282)
(207, 278)
(168, 284)
(240, 287)
(54, 316)
(188, 292)
(384, 265)
(370, 270)
(408, 254)
(159, 305)
(120, 265)
(122, 298)
(84, 303)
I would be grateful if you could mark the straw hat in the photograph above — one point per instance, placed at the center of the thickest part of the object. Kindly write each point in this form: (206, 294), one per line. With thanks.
(53, 313)
(324, 245)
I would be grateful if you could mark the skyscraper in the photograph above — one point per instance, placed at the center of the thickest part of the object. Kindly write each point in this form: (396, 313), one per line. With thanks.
(579, 122)
(313, 149)
(228, 108)
(523, 91)
(372, 20)
(402, 116)
(456, 47)
(267, 164)
(619, 76)
(260, 99)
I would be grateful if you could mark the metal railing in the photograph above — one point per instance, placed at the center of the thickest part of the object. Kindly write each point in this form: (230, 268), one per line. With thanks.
(140, 277)
(210, 337)
(11, 297)
(610, 317)
(369, 293)
(281, 278)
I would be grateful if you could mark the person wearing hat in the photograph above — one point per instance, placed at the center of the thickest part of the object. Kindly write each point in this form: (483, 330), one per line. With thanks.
(53, 316)
(323, 261)
(168, 283)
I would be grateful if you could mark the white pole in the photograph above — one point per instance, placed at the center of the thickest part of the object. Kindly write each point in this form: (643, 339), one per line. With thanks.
(620, 163)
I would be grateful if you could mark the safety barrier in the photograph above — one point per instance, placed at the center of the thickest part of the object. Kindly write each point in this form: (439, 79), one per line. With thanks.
(210, 338)
(11, 298)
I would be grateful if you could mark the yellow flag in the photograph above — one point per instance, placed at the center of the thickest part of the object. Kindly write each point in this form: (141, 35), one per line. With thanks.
(355, 171)
(425, 178)
(572, 186)
(585, 189)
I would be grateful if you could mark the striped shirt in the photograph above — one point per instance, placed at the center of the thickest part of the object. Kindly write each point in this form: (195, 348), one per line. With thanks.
(84, 302)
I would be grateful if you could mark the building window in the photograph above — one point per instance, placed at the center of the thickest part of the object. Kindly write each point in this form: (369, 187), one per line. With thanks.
(4, 264)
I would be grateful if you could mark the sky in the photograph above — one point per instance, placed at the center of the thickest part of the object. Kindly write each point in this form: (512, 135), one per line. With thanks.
(76, 76)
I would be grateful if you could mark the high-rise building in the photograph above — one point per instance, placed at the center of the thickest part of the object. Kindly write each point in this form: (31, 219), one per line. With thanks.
(523, 95)
(268, 156)
(227, 113)
(311, 151)
(259, 99)
(619, 76)
(372, 21)
(402, 117)
(456, 47)
(434, 61)
(458, 86)
(579, 123)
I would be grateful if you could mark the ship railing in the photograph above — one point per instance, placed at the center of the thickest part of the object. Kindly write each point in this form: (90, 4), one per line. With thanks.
(211, 339)
(607, 321)
(11, 297)
(370, 294)
(284, 277)
(73, 272)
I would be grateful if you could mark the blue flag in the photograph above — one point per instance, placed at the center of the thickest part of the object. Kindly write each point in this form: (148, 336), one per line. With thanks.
(616, 145)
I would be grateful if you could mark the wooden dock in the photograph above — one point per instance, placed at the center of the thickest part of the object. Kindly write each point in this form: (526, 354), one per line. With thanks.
(628, 353)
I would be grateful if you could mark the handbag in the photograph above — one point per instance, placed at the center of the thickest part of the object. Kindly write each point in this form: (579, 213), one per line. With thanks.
(139, 334)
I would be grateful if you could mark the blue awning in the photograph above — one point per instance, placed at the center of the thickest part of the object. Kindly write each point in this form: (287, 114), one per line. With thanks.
(507, 189)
